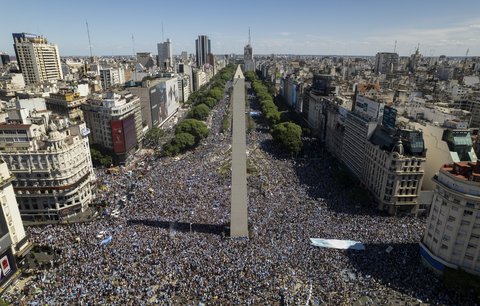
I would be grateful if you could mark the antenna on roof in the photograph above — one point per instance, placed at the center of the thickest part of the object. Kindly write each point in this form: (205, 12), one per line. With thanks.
(249, 35)
(163, 38)
(89, 41)
(395, 47)
(133, 45)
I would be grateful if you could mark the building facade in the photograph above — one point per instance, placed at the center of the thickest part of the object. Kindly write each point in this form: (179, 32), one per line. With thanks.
(115, 122)
(38, 60)
(51, 164)
(452, 236)
(67, 104)
(111, 76)
(394, 169)
(203, 48)
(165, 58)
(386, 62)
(11, 215)
(159, 98)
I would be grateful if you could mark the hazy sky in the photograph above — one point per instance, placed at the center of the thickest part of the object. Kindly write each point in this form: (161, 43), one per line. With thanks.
(343, 27)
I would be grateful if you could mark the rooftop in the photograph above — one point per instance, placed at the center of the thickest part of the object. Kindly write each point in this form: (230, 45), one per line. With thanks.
(468, 171)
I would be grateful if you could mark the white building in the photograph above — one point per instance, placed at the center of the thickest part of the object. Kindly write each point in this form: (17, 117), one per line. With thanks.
(39, 61)
(11, 213)
(112, 76)
(115, 122)
(452, 236)
(50, 160)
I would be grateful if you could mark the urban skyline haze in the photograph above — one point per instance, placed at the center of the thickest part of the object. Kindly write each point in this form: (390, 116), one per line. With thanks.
(281, 27)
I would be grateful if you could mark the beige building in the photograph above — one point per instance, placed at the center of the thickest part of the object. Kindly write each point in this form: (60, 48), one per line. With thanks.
(67, 104)
(51, 163)
(38, 60)
(394, 169)
(452, 236)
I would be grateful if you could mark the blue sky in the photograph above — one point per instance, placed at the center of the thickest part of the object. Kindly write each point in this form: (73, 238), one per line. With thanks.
(298, 26)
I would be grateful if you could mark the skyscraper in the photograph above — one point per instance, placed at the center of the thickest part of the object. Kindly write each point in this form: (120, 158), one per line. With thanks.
(165, 60)
(386, 62)
(203, 49)
(38, 60)
(248, 55)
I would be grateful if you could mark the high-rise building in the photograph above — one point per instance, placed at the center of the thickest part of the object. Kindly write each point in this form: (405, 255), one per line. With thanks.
(203, 48)
(248, 55)
(386, 63)
(112, 76)
(452, 235)
(115, 121)
(159, 99)
(38, 60)
(4, 59)
(165, 59)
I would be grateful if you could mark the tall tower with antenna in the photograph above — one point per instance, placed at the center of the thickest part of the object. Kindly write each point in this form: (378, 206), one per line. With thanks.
(248, 55)
(89, 42)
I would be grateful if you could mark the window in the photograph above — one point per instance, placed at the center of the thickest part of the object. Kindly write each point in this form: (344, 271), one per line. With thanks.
(467, 213)
(444, 247)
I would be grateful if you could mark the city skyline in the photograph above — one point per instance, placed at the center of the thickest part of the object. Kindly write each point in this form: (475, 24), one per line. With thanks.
(340, 28)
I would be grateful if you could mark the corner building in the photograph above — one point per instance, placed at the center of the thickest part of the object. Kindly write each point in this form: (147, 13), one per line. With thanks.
(115, 122)
(51, 164)
(452, 236)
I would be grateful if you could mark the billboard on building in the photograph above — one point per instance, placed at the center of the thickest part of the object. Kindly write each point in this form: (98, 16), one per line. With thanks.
(370, 108)
(389, 117)
(117, 136)
(7, 266)
(129, 132)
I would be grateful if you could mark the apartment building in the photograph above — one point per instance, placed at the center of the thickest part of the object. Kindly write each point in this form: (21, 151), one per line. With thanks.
(452, 236)
(38, 60)
(115, 122)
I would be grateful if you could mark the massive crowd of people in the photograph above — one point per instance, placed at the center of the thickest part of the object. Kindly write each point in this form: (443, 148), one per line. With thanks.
(170, 243)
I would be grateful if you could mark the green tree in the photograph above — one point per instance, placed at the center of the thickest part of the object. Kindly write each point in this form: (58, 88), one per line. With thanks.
(216, 93)
(184, 141)
(199, 112)
(210, 102)
(194, 127)
(154, 135)
(289, 136)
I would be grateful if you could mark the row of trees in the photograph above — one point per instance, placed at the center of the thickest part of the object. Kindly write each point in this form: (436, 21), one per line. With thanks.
(287, 134)
(190, 132)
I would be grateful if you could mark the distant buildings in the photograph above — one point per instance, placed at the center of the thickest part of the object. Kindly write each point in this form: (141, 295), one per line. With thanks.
(145, 59)
(248, 58)
(50, 160)
(165, 58)
(115, 122)
(203, 48)
(38, 60)
(386, 63)
(452, 236)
